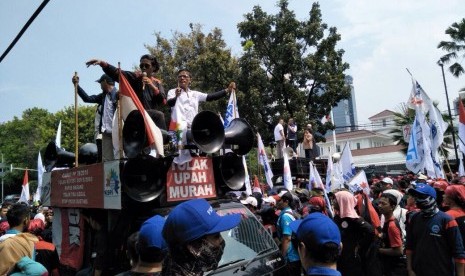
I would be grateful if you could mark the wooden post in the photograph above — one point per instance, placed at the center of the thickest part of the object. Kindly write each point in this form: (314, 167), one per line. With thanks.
(76, 123)
(120, 121)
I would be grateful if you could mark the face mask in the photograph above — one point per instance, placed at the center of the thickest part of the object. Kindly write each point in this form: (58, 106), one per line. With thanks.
(207, 256)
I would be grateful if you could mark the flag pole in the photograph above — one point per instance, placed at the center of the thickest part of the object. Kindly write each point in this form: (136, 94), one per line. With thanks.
(334, 130)
(76, 122)
(120, 121)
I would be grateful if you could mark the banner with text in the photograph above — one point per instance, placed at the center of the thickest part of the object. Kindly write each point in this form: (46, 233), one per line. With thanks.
(91, 186)
(190, 180)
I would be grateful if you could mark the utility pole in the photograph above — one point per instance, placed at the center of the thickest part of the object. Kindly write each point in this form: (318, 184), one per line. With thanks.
(440, 63)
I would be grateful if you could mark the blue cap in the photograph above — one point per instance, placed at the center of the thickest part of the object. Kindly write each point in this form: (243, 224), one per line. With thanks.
(150, 231)
(193, 219)
(316, 229)
(422, 189)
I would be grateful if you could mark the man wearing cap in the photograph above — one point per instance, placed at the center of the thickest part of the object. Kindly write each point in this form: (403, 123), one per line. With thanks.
(318, 243)
(434, 243)
(286, 216)
(150, 247)
(193, 234)
(107, 101)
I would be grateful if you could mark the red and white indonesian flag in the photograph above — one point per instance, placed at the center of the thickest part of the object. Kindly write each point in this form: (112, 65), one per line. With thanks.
(25, 191)
(129, 102)
(461, 127)
(325, 119)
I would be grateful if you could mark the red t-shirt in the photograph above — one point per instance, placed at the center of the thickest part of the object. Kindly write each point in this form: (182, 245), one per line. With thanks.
(394, 234)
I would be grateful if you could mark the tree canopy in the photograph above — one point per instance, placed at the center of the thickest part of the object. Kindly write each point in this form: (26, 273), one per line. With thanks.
(455, 48)
(290, 68)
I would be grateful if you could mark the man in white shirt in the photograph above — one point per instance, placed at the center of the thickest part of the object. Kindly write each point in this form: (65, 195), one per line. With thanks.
(279, 137)
(189, 99)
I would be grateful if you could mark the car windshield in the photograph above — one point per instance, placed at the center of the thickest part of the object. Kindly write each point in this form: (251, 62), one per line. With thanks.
(246, 240)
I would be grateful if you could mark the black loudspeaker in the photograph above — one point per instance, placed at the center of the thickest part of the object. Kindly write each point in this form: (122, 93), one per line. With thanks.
(232, 171)
(57, 157)
(207, 132)
(240, 136)
(143, 178)
(134, 137)
(88, 154)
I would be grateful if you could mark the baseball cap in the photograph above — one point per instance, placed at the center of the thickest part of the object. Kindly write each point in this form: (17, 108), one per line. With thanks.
(316, 229)
(422, 176)
(387, 180)
(250, 201)
(422, 189)
(270, 199)
(440, 185)
(150, 231)
(193, 219)
(105, 78)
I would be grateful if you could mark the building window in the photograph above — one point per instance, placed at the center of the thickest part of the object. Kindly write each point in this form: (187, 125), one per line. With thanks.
(338, 148)
(384, 123)
(358, 145)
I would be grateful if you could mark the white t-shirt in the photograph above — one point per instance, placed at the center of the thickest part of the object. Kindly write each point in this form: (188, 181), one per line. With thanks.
(277, 132)
(189, 101)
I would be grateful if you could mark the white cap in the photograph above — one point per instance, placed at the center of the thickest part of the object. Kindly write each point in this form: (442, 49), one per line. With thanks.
(270, 200)
(387, 180)
(250, 201)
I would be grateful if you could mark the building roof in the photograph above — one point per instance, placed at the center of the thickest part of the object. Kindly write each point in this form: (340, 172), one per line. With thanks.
(354, 135)
(383, 114)
(377, 150)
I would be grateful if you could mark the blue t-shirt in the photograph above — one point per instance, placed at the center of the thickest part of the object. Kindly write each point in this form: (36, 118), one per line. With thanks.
(322, 271)
(285, 218)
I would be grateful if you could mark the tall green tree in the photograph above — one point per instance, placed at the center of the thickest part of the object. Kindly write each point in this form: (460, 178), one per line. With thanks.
(21, 139)
(205, 55)
(290, 68)
(455, 48)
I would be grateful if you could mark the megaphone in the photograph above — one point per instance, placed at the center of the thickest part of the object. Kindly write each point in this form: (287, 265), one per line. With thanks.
(232, 170)
(57, 157)
(207, 132)
(143, 177)
(134, 137)
(240, 136)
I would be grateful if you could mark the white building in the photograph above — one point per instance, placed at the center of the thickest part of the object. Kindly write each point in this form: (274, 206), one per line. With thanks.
(369, 147)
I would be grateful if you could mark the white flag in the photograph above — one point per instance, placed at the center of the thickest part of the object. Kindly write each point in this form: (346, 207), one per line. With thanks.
(347, 163)
(263, 159)
(359, 183)
(287, 177)
(58, 136)
(40, 172)
(231, 110)
(461, 169)
(25, 196)
(248, 188)
(329, 171)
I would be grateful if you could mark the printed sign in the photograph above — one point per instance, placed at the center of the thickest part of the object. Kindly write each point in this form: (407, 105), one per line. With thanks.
(190, 180)
(91, 186)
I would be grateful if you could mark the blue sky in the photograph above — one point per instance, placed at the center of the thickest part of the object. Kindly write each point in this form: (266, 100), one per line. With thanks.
(380, 38)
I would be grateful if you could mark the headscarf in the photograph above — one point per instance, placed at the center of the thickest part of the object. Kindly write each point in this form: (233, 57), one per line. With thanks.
(347, 203)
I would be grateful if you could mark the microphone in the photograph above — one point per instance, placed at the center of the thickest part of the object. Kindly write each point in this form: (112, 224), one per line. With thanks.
(144, 74)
